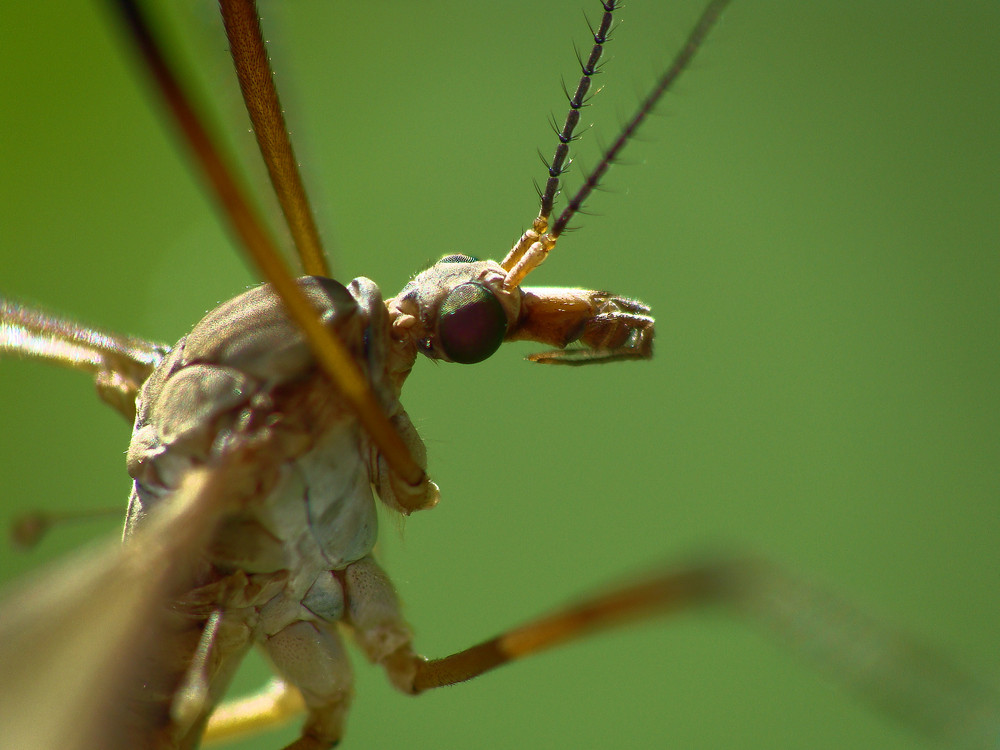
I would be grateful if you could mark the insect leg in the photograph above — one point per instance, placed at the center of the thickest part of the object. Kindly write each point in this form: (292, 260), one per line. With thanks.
(900, 678)
(311, 655)
(223, 643)
(118, 363)
(274, 705)
(246, 44)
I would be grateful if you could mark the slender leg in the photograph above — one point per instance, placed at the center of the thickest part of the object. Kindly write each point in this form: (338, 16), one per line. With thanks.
(878, 664)
(119, 364)
(315, 670)
(680, 590)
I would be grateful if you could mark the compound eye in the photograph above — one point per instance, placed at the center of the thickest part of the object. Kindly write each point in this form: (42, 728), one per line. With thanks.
(471, 324)
(457, 259)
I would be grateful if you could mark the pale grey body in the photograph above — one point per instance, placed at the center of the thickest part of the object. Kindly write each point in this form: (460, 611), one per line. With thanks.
(297, 559)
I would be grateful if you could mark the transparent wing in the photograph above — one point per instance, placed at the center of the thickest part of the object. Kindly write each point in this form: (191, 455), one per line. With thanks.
(78, 639)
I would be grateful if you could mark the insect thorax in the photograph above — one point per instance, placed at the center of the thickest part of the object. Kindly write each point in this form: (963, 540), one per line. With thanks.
(245, 373)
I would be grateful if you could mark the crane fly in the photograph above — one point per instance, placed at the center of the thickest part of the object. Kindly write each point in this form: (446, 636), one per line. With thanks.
(774, 427)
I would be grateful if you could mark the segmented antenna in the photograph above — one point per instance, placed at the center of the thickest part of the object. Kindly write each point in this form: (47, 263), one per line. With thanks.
(576, 103)
(708, 18)
(534, 245)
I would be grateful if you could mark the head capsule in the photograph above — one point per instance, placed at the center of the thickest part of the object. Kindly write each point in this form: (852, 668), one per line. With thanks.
(458, 309)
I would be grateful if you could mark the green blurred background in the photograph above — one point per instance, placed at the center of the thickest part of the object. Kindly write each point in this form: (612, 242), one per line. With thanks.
(814, 217)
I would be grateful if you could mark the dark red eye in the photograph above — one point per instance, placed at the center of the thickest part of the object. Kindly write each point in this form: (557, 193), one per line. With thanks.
(471, 323)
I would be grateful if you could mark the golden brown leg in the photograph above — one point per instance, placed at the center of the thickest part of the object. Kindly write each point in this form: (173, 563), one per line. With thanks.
(877, 663)
(679, 590)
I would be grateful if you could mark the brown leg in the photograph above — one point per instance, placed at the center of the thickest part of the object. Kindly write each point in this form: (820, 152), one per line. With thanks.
(678, 590)
(877, 663)
(874, 661)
